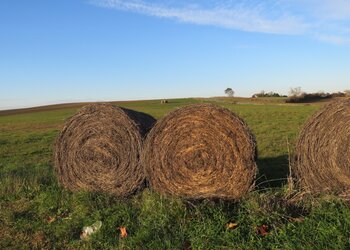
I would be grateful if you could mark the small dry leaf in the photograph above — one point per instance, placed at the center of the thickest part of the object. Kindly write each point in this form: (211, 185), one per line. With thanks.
(186, 245)
(231, 225)
(299, 219)
(262, 230)
(84, 235)
(123, 232)
(50, 219)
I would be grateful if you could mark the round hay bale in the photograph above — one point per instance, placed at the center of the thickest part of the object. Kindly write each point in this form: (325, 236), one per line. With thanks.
(98, 150)
(200, 151)
(322, 162)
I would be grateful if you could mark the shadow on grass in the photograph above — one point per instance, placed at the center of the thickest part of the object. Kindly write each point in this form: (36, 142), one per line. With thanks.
(273, 172)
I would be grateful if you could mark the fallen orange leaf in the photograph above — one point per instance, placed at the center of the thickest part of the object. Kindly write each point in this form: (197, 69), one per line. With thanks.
(123, 232)
(50, 219)
(262, 230)
(231, 225)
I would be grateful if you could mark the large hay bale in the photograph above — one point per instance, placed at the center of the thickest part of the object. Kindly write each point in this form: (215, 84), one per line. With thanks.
(98, 150)
(322, 162)
(200, 151)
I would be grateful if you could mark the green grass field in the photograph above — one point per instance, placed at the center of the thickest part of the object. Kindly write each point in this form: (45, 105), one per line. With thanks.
(30, 194)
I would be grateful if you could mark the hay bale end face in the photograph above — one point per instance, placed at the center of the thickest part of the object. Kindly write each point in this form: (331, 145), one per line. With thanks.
(200, 151)
(98, 150)
(322, 162)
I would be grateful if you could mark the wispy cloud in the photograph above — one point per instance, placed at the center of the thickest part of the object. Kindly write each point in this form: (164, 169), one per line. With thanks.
(325, 20)
(233, 16)
(338, 40)
(325, 9)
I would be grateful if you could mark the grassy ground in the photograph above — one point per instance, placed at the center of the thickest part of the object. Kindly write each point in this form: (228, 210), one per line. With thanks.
(35, 212)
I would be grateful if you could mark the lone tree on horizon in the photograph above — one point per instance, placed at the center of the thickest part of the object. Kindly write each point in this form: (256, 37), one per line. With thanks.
(229, 92)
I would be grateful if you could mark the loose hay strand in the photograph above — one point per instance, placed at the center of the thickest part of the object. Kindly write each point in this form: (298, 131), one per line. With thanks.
(201, 151)
(322, 162)
(98, 150)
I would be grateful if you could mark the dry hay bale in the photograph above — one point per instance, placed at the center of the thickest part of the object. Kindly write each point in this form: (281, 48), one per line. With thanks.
(322, 162)
(98, 150)
(200, 151)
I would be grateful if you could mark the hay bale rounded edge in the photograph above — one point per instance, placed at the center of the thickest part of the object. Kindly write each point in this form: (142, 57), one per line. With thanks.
(99, 148)
(322, 161)
(200, 151)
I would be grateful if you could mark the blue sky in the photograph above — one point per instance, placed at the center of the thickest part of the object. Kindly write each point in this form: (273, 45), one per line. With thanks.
(87, 50)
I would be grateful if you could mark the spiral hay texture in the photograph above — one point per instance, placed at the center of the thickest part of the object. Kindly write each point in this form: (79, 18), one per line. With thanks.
(98, 150)
(200, 151)
(322, 163)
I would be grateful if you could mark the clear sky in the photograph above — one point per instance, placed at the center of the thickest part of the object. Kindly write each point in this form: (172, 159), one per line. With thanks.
(55, 51)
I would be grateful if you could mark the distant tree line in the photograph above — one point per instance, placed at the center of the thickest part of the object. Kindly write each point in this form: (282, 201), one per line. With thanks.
(298, 96)
(267, 94)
